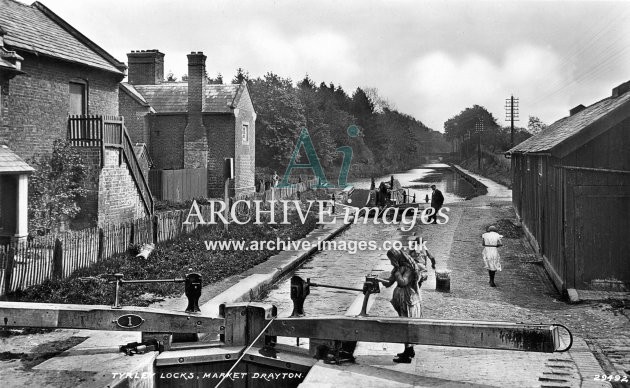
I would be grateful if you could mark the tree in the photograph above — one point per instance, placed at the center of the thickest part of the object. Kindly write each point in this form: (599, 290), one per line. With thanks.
(241, 75)
(361, 106)
(379, 103)
(216, 81)
(280, 119)
(463, 126)
(535, 125)
(306, 83)
(170, 77)
(387, 140)
(56, 187)
(185, 78)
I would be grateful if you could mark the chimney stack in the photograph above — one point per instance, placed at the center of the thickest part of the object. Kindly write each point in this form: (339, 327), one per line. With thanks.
(195, 134)
(576, 109)
(146, 67)
(621, 89)
(196, 81)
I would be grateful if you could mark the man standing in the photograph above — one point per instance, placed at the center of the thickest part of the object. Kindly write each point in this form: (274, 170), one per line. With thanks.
(275, 179)
(437, 200)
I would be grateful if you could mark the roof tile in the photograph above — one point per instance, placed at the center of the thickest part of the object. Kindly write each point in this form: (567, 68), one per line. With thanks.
(570, 126)
(11, 163)
(173, 97)
(28, 28)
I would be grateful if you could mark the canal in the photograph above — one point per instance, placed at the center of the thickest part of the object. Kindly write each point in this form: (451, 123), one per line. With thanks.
(341, 268)
(419, 180)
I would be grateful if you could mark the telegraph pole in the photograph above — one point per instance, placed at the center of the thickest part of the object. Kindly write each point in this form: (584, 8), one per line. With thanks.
(479, 129)
(511, 115)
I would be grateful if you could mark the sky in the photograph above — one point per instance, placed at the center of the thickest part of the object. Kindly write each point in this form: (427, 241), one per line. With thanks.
(429, 59)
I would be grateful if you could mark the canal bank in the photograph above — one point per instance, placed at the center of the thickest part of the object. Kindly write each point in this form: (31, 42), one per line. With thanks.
(96, 359)
(524, 294)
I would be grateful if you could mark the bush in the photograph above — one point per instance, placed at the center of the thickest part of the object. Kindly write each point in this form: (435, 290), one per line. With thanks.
(168, 261)
(55, 187)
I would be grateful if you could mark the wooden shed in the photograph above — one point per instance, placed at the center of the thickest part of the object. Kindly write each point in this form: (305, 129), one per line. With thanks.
(571, 191)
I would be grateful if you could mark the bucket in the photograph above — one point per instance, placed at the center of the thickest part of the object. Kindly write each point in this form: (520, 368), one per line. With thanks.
(443, 281)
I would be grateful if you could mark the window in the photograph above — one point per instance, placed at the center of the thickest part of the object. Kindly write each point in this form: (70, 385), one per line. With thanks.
(245, 133)
(78, 98)
(529, 164)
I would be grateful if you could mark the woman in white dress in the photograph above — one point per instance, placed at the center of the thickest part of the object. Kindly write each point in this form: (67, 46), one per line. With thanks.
(491, 241)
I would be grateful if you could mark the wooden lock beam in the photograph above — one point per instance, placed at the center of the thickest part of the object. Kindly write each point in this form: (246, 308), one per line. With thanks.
(473, 334)
(95, 317)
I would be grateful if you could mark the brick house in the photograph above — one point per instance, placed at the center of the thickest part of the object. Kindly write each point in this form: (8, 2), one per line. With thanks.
(56, 83)
(571, 191)
(190, 126)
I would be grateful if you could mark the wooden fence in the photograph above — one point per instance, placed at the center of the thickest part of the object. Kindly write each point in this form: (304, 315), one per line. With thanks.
(179, 185)
(110, 131)
(28, 263)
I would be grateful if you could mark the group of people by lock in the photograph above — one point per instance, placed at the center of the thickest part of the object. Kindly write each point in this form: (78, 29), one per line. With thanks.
(410, 271)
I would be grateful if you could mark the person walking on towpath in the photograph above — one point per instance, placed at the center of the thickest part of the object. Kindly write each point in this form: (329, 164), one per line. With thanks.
(491, 241)
(406, 298)
(437, 200)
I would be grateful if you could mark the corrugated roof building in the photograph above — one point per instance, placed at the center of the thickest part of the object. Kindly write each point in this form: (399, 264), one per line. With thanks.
(572, 192)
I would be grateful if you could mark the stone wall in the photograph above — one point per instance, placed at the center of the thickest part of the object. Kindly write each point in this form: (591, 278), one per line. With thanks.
(135, 116)
(38, 102)
(245, 162)
(4, 104)
(118, 200)
(166, 144)
(221, 146)
(88, 216)
(112, 193)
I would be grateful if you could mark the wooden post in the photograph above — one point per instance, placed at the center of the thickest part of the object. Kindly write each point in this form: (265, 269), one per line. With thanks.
(58, 260)
(8, 271)
(101, 241)
(227, 202)
(132, 233)
(154, 222)
(21, 230)
(245, 321)
(235, 324)
(258, 315)
(101, 129)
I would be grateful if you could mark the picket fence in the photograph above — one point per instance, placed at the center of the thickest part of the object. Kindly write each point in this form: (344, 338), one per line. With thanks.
(28, 263)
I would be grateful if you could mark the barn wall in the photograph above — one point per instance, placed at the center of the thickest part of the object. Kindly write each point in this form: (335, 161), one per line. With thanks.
(597, 208)
(578, 220)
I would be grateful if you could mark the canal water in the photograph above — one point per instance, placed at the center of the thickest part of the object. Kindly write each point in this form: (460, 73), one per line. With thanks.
(340, 268)
(337, 268)
(419, 180)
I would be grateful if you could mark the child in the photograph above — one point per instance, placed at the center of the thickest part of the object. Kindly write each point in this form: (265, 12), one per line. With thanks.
(491, 241)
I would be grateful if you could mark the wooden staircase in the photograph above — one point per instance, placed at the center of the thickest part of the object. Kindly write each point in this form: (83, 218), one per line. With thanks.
(110, 131)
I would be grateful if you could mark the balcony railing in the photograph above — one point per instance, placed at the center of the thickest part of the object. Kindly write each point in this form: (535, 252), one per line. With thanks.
(110, 131)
